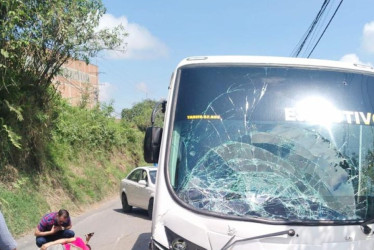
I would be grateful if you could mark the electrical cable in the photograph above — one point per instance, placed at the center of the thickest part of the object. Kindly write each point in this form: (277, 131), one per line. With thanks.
(315, 22)
(311, 28)
(319, 39)
(317, 30)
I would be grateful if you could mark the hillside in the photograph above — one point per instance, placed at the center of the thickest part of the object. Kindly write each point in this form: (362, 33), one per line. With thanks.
(89, 152)
(53, 155)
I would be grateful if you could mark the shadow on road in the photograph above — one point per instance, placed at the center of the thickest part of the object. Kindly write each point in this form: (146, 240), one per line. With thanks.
(136, 212)
(142, 242)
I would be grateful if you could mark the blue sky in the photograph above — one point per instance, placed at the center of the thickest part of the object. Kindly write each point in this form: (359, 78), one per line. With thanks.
(161, 33)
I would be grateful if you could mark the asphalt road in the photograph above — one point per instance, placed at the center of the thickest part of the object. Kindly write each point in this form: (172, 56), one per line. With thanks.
(113, 229)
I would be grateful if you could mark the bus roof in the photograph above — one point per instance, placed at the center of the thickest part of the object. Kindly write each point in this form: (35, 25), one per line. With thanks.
(277, 61)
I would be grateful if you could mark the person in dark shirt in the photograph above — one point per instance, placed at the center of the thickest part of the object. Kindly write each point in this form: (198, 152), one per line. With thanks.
(54, 226)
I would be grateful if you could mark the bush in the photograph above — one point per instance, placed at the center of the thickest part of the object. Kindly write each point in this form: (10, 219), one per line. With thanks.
(86, 155)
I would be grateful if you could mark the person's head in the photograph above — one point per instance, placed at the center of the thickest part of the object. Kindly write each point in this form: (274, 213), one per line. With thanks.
(62, 216)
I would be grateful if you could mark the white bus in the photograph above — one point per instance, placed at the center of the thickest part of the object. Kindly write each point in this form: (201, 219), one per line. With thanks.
(265, 153)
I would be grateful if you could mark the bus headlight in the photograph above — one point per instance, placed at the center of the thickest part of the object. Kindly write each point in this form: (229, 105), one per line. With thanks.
(177, 242)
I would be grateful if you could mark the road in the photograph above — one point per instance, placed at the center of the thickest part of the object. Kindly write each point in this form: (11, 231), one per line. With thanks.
(113, 229)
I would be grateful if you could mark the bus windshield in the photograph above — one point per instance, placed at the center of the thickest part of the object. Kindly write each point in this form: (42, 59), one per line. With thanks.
(277, 143)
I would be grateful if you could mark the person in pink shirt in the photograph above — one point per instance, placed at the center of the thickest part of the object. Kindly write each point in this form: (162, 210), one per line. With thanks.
(69, 244)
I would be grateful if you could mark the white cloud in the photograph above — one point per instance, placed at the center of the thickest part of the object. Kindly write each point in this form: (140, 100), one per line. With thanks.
(353, 58)
(105, 91)
(368, 37)
(367, 46)
(139, 44)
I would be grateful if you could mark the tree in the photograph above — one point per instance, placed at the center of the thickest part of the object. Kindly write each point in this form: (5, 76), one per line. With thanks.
(36, 38)
(140, 114)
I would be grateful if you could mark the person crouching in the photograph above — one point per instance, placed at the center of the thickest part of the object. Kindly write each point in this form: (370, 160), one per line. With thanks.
(54, 226)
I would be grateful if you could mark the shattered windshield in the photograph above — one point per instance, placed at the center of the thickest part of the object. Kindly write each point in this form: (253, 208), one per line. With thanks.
(276, 143)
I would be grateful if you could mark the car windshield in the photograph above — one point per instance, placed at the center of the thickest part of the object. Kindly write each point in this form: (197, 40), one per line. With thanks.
(152, 175)
(276, 143)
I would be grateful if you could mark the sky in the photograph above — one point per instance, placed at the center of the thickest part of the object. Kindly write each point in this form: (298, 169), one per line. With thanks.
(162, 33)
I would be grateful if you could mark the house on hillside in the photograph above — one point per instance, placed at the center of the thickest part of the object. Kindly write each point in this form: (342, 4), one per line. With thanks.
(78, 83)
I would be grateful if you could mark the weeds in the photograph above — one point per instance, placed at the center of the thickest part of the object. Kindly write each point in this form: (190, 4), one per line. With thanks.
(87, 154)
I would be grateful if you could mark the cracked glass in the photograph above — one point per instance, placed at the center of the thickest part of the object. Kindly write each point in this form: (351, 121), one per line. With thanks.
(275, 143)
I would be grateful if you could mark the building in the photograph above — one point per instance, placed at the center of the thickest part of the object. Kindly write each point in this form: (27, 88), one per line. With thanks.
(78, 83)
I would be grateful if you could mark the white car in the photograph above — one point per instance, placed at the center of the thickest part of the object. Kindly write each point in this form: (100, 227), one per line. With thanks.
(138, 189)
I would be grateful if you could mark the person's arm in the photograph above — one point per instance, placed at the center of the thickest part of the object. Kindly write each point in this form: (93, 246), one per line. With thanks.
(54, 230)
(56, 242)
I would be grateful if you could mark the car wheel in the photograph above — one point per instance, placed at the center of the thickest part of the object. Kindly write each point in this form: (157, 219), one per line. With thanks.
(150, 208)
(125, 205)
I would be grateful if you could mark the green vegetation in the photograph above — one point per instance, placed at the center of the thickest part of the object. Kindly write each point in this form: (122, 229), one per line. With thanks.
(140, 115)
(36, 38)
(53, 155)
(88, 153)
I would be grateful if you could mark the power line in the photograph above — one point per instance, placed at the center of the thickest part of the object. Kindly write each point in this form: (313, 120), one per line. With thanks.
(317, 29)
(319, 39)
(302, 42)
(311, 27)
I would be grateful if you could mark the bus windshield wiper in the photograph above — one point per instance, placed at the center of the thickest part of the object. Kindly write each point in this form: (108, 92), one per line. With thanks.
(289, 232)
(364, 226)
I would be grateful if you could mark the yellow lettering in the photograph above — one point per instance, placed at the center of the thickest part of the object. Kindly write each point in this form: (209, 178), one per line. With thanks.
(356, 117)
(365, 119)
(204, 117)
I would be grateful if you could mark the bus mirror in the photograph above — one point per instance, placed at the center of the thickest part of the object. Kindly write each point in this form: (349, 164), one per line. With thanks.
(152, 143)
(163, 107)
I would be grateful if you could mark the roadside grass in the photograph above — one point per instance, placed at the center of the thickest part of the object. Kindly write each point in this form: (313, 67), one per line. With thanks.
(82, 162)
(75, 185)
(80, 169)
(23, 205)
